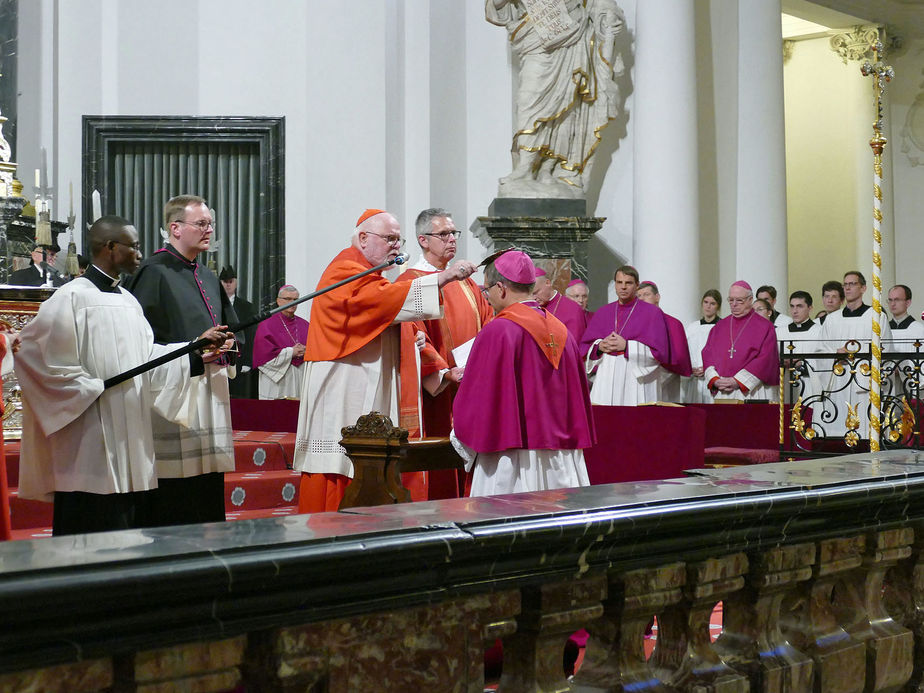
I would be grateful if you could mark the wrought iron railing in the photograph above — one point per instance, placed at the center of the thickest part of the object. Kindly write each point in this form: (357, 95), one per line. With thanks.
(826, 396)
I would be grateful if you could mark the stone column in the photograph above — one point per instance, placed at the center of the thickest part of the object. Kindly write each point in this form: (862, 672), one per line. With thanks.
(666, 205)
(761, 244)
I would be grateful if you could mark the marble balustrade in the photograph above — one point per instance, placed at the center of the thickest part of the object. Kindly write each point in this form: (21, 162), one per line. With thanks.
(818, 564)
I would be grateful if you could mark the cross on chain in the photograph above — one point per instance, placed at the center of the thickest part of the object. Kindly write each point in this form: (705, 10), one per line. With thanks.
(731, 352)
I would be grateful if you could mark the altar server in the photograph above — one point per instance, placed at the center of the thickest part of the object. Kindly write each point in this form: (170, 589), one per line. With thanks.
(90, 449)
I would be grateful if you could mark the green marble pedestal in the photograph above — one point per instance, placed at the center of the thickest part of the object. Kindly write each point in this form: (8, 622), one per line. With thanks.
(555, 233)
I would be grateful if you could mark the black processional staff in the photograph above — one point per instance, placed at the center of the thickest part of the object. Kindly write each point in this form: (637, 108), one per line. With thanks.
(198, 344)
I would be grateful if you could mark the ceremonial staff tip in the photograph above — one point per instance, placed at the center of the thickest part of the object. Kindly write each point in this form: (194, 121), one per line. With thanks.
(198, 344)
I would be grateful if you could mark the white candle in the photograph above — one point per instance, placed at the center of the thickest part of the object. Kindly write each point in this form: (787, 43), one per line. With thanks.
(71, 187)
(97, 206)
(38, 178)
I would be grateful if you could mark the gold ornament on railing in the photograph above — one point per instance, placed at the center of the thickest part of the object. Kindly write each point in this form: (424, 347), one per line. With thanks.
(852, 423)
(881, 74)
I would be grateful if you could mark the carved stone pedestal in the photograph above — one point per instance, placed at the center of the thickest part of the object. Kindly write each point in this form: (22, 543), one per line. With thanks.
(615, 656)
(814, 626)
(685, 656)
(751, 641)
(545, 231)
(549, 614)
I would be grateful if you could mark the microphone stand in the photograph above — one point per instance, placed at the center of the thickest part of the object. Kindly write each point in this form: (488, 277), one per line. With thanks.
(198, 344)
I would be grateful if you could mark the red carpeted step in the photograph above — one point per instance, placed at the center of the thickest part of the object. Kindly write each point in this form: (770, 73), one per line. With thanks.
(32, 533)
(257, 490)
(26, 514)
(261, 513)
(263, 451)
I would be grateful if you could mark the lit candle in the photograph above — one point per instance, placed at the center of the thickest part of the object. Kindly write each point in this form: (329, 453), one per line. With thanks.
(97, 206)
(38, 178)
(71, 187)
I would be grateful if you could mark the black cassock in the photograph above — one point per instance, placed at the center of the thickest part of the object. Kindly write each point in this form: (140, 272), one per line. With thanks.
(182, 299)
(245, 384)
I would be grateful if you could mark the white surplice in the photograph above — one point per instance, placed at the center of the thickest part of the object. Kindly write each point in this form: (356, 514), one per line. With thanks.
(76, 436)
(335, 394)
(205, 444)
(521, 471)
(694, 390)
(802, 343)
(280, 378)
(837, 331)
(626, 379)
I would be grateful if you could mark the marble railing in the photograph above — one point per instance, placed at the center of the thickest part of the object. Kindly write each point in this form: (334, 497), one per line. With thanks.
(818, 564)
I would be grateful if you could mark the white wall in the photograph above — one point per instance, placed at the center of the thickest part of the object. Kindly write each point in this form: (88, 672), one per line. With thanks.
(407, 104)
(907, 178)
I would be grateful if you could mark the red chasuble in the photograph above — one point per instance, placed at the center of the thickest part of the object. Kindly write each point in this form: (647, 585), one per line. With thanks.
(514, 396)
(466, 312)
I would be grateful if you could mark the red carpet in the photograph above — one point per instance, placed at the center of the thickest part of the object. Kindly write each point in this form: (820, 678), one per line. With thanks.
(262, 485)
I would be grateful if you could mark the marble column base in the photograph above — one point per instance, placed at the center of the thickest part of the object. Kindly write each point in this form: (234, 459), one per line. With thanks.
(558, 243)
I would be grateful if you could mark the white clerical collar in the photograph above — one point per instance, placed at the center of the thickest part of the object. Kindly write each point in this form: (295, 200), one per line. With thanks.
(114, 281)
(424, 266)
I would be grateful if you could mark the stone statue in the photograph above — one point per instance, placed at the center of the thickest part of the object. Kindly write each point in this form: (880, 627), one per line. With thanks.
(567, 90)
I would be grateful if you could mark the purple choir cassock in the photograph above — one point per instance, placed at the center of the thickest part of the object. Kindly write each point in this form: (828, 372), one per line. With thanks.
(636, 321)
(511, 396)
(633, 376)
(744, 348)
(570, 313)
(275, 334)
(680, 351)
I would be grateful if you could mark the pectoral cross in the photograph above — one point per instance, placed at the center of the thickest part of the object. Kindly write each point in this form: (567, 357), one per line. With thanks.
(551, 344)
(731, 352)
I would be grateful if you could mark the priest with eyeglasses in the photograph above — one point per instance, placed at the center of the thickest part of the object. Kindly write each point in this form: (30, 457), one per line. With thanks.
(353, 352)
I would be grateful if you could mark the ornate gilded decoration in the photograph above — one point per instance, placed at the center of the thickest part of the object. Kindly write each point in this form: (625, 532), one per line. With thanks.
(788, 48)
(903, 428)
(375, 425)
(881, 74)
(798, 423)
(852, 424)
(856, 44)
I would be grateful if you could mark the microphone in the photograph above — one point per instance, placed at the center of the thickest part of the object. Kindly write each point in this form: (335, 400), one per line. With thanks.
(402, 258)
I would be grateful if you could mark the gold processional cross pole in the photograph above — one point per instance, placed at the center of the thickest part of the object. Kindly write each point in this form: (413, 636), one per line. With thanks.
(881, 73)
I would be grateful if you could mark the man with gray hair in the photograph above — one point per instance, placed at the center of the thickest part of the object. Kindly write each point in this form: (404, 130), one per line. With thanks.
(430, 376)
(279, 349)
(353, 351)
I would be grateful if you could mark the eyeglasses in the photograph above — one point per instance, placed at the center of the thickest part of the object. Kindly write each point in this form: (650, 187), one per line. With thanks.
(851, 283)
(134, 246)
(390, 240)
(201, 225)
(444, 236)
(485, 290)
(737, 301)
